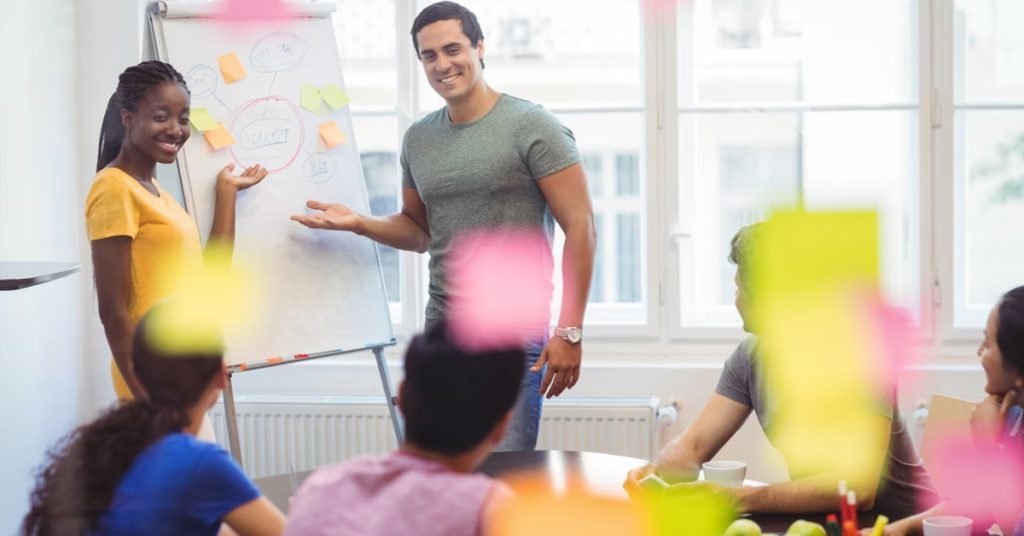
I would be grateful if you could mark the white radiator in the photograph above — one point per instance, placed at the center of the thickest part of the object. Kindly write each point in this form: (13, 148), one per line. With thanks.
(303, 432)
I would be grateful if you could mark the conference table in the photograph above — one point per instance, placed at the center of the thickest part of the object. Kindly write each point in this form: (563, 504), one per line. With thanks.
(603, 474)
(594, 472)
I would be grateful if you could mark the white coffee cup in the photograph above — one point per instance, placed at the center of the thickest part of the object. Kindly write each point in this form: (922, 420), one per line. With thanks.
(726, 472)
(948, 526)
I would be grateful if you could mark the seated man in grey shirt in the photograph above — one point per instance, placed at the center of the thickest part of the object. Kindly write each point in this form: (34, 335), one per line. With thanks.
(901, 489)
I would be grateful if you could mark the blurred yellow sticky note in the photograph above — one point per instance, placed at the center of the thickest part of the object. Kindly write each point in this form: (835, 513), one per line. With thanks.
(205, 301)
(811, 271)
(231, 67)
(332, 135)
(200, 118)
(813, 251)
(310, 98)
(335, 97)
(219, 137)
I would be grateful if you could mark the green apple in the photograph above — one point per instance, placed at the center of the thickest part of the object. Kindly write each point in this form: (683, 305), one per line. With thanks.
(743, 527)
(801, 527)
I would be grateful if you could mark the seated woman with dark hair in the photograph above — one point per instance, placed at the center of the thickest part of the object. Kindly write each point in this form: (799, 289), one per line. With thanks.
(999, 418)
(139, 469)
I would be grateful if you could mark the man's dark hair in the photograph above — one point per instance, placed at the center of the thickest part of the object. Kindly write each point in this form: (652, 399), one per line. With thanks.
(741, 250)
(1010, 330)
(448, 11)
(451, 397)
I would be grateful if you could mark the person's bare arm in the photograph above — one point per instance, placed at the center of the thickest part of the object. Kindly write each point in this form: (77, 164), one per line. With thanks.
(111, 261)
(258, 517)
(405, 230)
(817, 493)
(222, 230)
(681, 459)
(566, 193)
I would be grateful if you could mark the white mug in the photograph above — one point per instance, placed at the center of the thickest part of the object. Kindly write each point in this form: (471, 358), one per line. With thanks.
(948, 526)
(726, 473)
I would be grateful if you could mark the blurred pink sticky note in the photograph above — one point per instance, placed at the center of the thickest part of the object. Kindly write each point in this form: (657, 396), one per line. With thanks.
(895, 338)
(660, 6)
(248, 11)
(981, 480)
(499, 285)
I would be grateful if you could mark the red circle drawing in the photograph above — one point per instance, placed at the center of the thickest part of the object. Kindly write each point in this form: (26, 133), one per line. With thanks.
(267, 140)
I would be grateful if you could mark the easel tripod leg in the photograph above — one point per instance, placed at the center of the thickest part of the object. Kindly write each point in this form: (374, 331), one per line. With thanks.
(385, 380)
(232, 421)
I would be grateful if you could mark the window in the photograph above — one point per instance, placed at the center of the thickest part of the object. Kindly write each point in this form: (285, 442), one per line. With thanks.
(696, 123)
(988, 96)
(365, 30)
(380, 171)
(782, 102)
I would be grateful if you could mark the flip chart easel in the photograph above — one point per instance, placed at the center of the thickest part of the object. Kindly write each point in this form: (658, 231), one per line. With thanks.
(273, 92)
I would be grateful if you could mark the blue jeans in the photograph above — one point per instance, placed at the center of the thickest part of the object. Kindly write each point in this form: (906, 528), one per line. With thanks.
(521, 433)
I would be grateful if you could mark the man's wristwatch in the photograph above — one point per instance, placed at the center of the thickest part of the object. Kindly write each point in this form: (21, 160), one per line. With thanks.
(572, 335)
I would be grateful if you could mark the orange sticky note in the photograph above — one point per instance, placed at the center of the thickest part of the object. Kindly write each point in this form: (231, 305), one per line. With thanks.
(219, 137)
(332, 135)
(231, 68)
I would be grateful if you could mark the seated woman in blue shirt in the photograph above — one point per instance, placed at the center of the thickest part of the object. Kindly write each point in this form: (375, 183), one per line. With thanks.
(139, 469)
(998, 418)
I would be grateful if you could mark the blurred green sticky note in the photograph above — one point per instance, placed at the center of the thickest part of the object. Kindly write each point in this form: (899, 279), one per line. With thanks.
(335, 97)
(310, 98)
(201, 120)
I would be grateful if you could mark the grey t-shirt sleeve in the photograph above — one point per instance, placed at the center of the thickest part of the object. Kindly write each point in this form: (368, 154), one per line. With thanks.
(546, 145)
(407, 181)
(734, 383)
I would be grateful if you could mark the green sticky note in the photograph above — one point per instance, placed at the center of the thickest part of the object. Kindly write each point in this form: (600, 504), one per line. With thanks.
(201, 120)
(335, 97)
(310, 98)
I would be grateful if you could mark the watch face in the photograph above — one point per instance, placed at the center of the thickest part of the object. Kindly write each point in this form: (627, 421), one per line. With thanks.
(574, 335)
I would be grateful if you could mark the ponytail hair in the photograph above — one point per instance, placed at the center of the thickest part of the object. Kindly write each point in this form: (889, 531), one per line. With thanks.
(81, 473)
(132, 86)
(111, 134)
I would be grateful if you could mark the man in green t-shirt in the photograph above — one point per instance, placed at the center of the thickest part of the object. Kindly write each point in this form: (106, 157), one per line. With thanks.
(487, 160)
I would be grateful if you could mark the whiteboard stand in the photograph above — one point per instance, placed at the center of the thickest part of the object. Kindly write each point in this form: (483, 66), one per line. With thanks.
(231, 416)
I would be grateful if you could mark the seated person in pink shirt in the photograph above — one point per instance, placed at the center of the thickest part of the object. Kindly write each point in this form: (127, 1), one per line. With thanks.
(456, 405)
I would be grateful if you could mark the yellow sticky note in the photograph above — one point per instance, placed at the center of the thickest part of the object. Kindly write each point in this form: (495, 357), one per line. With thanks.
(231, 68)
(310, 98)
(332, 135)
(219, 137)
(335, 97)
(201, 120)
(808, 252)
(811, 273)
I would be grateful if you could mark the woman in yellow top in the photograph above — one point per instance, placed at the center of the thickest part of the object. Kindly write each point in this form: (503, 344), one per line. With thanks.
(137, 230)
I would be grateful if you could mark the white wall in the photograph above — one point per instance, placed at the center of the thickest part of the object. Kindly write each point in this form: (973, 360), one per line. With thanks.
(41, 364)
(59, 61)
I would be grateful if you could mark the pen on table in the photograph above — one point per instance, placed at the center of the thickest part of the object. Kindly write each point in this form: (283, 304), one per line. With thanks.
(851, 505)
(832, 526)
(844, 514)
(880, 524)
